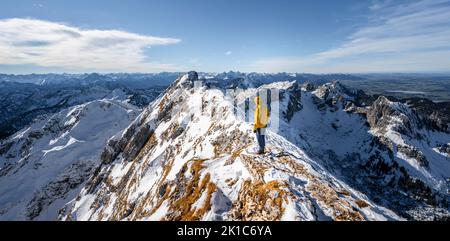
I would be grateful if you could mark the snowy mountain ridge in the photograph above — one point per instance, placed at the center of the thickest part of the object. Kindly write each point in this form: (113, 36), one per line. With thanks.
(197, 165)
(181, 160)
(45, 165)
(333, 154)
(20, 103)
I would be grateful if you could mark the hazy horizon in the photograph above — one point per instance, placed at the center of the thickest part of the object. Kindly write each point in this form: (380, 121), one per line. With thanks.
(229, 71)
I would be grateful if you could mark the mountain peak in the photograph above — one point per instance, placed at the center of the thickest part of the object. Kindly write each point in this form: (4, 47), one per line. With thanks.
(188, 157)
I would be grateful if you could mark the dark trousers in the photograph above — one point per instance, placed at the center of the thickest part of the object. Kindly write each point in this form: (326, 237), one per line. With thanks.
(261, 139)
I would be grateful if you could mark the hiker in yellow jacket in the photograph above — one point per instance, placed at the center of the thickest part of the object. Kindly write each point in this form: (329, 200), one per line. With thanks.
(261, 121)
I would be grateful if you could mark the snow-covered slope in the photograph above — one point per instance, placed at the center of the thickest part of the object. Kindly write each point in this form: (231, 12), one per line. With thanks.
(381, 148)
(188, 157)
(333, 154)
(20, 103)
(45, 165)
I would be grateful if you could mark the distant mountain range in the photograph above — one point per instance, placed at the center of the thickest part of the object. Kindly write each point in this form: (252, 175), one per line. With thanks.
(162, 79)
(24, 97)
(134, 80)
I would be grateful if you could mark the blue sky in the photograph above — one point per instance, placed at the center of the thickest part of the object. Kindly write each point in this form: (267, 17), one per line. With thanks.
(349, 36)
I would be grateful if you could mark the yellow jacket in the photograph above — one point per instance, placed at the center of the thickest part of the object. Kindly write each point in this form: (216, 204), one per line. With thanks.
(261, 115)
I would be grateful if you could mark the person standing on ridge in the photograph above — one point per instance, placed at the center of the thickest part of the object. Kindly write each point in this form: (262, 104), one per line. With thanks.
(261, 121)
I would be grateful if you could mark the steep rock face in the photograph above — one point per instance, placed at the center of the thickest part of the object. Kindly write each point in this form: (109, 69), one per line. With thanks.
(401, 129)
(294, 103)
(380, 113)
(45, 165)
(196, 161)
(384, 114)
(332, 96)
(377, 146)
(436, 116)
(69, 180)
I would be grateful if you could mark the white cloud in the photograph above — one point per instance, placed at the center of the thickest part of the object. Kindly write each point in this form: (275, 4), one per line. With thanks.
(50, 44)
(379, 4)
(394, 35)
(228, 53)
